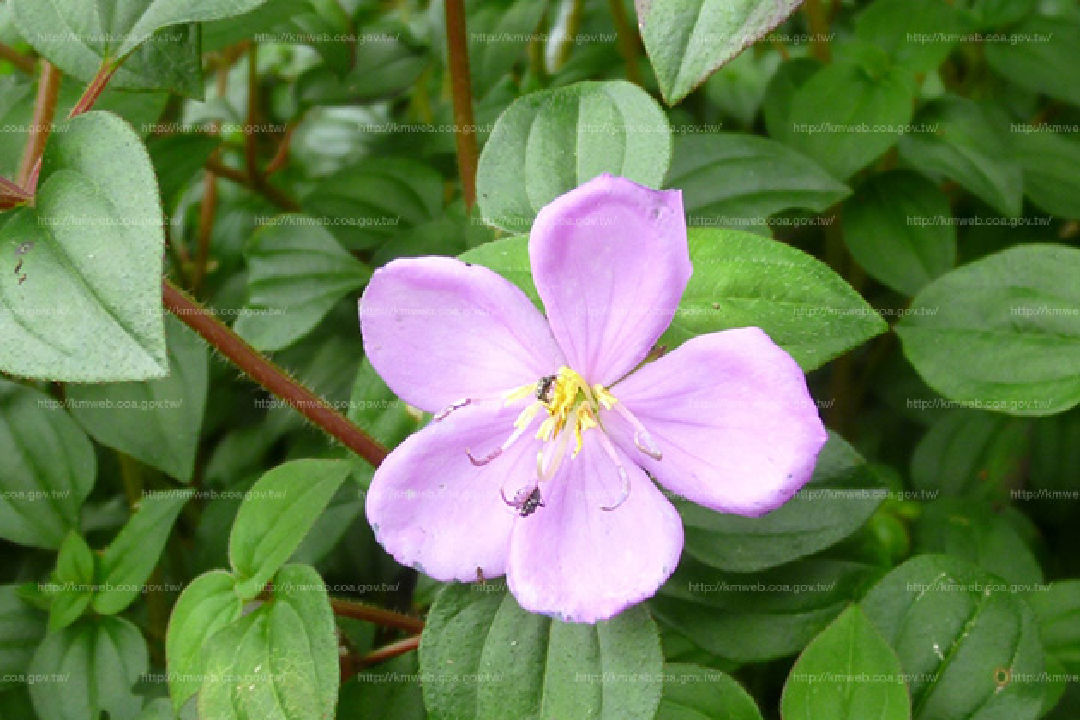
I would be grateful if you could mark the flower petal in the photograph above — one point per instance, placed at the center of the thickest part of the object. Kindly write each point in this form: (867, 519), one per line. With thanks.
(577, 561)
(438, 330)
(432, 509)
(610, 261)
(734, 420)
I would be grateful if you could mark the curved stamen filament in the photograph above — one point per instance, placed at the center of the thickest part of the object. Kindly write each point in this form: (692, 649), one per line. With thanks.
(505, 398)
(642, 439)
(524, 419)
(609, 449)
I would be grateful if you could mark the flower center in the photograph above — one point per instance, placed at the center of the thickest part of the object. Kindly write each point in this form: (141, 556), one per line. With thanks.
(569, 407)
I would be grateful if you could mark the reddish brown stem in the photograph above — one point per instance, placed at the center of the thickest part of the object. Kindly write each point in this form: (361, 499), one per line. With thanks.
(461, 91)
(95, 88)
(389, 651)
(282, 154)
(269, 375)
(250, 154)
(12, 194)
(40, 126)
(627, 39)
(377, 615)
(818, 21)
(16, 58)
(207, 212)
(270, 192)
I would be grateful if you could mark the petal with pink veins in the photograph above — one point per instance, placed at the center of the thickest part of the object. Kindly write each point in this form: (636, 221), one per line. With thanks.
(433, 509)
(574, 560)
(732, 416)
(438, 330)
(610, 261)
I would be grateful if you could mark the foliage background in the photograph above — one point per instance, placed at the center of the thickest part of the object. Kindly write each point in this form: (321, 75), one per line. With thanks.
(889, 188)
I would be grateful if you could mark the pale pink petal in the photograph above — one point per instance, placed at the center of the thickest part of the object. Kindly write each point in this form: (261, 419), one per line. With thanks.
(432, 509)
(610, 261)
(732, 417)
(438, 330)
(576, 561)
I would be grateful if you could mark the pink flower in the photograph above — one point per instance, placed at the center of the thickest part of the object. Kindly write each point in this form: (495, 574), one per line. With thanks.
(540, 461)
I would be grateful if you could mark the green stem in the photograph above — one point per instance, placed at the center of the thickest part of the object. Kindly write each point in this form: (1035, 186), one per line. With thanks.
(461, 92)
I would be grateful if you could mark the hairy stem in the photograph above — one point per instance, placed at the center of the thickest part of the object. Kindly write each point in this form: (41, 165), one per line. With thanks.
(16, 58)
(40, 126)
(390, 651)
(269, 375)
(95, 88)
(376, 615)
(461, 91)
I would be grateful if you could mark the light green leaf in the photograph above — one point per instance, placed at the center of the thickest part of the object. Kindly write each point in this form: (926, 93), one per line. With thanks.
(693, 692)
(99, 660)
(687, 40)
(850, 112)
(85, 305)
(848, 672)
(297, 273)
(301, 588)
(966, 145)
(74, 577)
(207, 605)
(731, 178)
(155, 421)
(744, 280)
(47, 468)
(130, 558)
(897, 227)
(1002, 333)
(968, 644)
(276, 514)
(549, 142)
(488, 659)
(840, 497)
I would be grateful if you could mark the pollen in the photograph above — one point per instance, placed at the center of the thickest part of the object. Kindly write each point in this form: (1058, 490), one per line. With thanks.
(570, 403)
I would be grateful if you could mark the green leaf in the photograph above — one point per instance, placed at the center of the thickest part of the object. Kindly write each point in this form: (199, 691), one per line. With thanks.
(285, 654)
(971, 454)
(917, 34)
(848, 672)
(1049, 163)
(85, 305)
(130, 558)
(510, 258)
(99, 659)
(297, 273)
(975, 532)
(276, 514)
(47, 468)
(498, 35)
(207, 605)
(301, 588)
(22, 629)
(755, 617)
(850, 112)
(369, 204)
(1042, 59)
(898, 229)
(693, 692)
(155, 421)
(742, 279)
(375, 408)
(177, 158)
(387, 691)
(687, 40)
(489, 659)
(731, 178)
(967, 145)
(840, 497)
(996, 13)
(74, 577)
(1057, 609)
(1002, 332)
(549, 142)
(962, 637)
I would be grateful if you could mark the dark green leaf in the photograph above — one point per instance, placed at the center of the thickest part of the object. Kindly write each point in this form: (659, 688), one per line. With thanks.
(22, 629)
(1042, 59)
(918, 34)
(1057, 609)
(1050, 179)
(693, 692)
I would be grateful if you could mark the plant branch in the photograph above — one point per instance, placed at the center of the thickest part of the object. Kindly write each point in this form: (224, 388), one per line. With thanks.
(461, 91)
(16, 58)
(818, 19)
(12, 194)
(626, 40)
(95, 88)
(269, 375)
(389, 651)
(265, 189)
(40, 126)
(250, 154)
(377, 615)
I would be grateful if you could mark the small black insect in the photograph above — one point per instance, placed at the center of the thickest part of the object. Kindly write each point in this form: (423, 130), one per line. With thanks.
(545, 388)
(526, 503)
